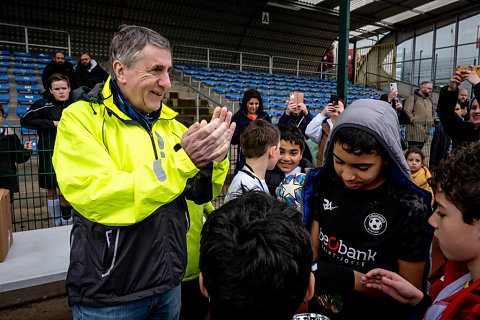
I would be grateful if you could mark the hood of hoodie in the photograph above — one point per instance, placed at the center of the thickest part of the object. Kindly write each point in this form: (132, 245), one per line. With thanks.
(379, 119)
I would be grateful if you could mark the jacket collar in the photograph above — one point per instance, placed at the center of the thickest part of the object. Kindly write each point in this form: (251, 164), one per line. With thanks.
(107, 97)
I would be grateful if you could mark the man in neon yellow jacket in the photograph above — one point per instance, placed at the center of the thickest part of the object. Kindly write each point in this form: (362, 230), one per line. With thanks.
(127, 167)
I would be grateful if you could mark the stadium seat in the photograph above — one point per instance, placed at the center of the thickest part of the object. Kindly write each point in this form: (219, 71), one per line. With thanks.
(26, 72)
(5, 110)
(43, 55)
(24, 59)
(4, 53)
(45, 61)
(3, 70)
(22, 54)
(23, 79)
(22, 65)
(5, 58)
(4, 87)
(27, 131)
(28, 98)
(68, 58)
(4, 98)
(40, 72)
(41, 66)
(3, 78)
(5, 64)
(21, 110)
(28, 88)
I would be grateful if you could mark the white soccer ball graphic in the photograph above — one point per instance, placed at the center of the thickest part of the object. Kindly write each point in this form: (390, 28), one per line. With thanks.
(375, 224)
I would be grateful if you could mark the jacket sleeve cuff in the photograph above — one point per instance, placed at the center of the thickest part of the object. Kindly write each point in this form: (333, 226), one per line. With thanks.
(332, 278)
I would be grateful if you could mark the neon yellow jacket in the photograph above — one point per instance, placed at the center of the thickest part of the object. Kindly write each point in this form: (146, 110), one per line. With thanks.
(131, 185)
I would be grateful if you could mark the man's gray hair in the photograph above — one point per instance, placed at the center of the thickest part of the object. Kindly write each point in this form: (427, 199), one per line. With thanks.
(128, 42)
(424, 83)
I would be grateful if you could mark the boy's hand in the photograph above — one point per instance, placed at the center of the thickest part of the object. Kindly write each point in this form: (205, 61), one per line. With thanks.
(28, 145)
(328, 108)
(393, 285)
(455, 80)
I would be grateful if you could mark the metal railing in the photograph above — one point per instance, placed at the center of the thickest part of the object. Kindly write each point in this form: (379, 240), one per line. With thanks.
(27, 42)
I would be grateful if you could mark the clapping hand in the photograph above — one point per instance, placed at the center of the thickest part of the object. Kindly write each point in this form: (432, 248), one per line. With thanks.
(206, 142)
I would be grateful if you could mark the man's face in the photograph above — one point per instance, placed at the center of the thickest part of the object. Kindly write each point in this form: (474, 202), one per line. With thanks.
(362, 172)
(86, 60)
(457, 240)
(59, 58)
(60, 90)
(426, 89)
(462, 95)
(145, 84)
(475, 113)
(290, 156)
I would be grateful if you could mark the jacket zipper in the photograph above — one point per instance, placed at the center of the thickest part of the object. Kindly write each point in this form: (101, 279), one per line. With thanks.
(153, 144)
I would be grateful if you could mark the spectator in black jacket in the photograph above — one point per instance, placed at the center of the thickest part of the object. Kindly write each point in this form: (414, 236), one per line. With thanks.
(61, 66)
(461, 132)
(292, 147)
(403, 118)
(44, 116)
(12, 152)
(441, 142)
(89, 72)
(251, 108)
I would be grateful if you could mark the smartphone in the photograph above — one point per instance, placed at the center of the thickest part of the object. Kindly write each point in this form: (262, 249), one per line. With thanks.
(394, 102)
(333, 99)
(296, 97)
(477, 69)
(393, 86)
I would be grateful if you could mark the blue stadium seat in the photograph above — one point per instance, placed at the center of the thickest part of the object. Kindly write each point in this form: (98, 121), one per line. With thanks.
(23, 65)
(29, 88)
(27, 72)
(4, 53)
(4, 98)
(28, 98)
(41, 66)
(21, 110)
(22, 54)
(68, 58)
(43, 55)
(27, 131)
(3, 78)
(4, 87)
(220, 90)
(233, 96)
(45, 61)
(23, 79)
(40, 72)
(5, 64)
(5, 110)
(5, 58)
(24, 59)
(3, 70)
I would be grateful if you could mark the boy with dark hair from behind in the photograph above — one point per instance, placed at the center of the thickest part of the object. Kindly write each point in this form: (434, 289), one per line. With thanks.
(456, 182)
(291, 160)
(255, 259)
(365, 212)
(260, 143)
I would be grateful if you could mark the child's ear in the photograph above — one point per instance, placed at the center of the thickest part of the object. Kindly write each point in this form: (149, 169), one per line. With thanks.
(271, 151)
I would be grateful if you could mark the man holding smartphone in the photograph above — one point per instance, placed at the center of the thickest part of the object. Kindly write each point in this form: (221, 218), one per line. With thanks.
(297, 115)
(419, 107)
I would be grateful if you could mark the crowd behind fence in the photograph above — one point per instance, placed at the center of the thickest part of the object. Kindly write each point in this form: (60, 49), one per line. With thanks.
(29, 203)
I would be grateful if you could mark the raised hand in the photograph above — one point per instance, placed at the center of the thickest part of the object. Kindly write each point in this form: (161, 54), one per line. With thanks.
(393, 285)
